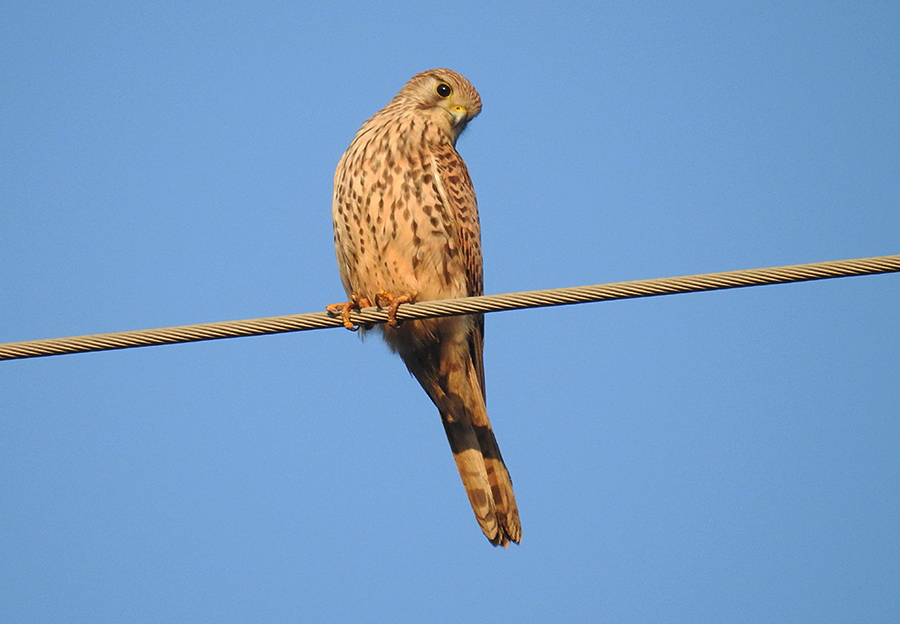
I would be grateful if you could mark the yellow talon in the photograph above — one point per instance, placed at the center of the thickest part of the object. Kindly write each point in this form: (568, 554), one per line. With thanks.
(386, 299)
(343, 309)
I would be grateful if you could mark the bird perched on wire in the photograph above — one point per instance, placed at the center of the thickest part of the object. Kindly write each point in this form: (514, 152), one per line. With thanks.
(406, 228)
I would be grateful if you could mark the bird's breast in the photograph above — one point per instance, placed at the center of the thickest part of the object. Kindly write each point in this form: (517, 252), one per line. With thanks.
(393, 219)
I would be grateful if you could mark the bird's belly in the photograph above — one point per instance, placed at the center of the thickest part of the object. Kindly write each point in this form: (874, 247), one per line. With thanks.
(407, 257)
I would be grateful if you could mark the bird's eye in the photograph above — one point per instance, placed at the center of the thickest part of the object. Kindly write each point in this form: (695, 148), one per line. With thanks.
(444, 90)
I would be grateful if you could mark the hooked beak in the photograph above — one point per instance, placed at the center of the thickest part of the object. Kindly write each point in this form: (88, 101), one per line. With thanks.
(458, 116)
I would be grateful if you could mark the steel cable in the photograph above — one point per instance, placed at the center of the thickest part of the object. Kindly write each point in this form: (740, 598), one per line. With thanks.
(452, 307)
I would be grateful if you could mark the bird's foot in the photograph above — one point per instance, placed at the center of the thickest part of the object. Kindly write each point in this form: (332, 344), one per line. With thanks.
(384, 299)
(343, 309)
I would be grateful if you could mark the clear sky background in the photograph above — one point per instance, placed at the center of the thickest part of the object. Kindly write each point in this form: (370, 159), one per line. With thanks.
(730, 456)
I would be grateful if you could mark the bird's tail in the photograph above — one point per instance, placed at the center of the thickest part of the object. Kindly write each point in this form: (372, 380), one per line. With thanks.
(453, 383)
(484, 477)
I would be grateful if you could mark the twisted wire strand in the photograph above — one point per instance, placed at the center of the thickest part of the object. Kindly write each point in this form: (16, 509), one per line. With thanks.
(453, 307)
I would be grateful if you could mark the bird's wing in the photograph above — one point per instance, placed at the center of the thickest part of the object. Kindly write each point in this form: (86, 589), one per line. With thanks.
(459, 195)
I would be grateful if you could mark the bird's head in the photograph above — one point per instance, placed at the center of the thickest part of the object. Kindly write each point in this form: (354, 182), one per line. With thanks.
(448, 98)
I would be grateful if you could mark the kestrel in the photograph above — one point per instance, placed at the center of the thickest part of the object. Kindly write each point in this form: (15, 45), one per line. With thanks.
(405, 228)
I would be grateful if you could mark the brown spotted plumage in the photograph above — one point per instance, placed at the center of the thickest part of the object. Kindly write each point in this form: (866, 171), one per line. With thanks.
(406, 228)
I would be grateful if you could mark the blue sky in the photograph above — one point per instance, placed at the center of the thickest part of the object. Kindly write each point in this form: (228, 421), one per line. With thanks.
(730, 456)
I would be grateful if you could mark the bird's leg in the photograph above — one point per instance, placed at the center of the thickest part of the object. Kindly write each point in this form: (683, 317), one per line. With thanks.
(343, 309)
(386, 299)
